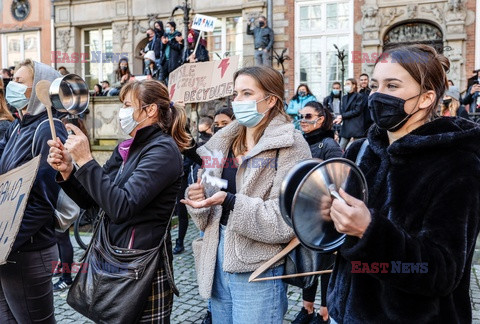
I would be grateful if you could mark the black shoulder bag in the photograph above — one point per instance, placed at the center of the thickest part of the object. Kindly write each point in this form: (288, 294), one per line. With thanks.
(114, 283)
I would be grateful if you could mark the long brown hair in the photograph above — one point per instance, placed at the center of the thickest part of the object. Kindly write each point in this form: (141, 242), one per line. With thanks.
(269, 81)
(5, 114)
(172, 119)
(119, 72)
(426, 66)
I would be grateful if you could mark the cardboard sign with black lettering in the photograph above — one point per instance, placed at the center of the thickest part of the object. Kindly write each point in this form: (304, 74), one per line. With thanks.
(205, 81)
(15, 187)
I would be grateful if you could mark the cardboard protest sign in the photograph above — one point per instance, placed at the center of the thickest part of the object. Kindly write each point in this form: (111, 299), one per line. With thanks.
(205, 81)
(203, 23)
(15, 187)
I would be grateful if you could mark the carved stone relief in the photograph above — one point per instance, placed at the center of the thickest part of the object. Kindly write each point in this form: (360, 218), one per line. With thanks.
(371, 22)
(456, 61)
(435, 11)
(63, 39)
(122, 31)
(138, 28)
(411, 11)
(371, 18)
(455, 16)
(389, 15)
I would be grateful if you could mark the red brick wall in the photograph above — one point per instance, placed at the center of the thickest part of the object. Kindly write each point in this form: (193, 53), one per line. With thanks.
(40, 11)
(470, 43)
(357, 39)
(290, 31)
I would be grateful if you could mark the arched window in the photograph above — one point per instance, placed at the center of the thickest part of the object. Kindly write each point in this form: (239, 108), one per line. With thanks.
(414, 33)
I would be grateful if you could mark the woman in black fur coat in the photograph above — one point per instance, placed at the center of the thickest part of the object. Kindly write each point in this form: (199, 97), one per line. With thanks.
(408, 253)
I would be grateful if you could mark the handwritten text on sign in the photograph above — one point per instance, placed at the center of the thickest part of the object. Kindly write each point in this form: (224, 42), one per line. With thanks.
(15, 187)
(204, 23)
(200, 82)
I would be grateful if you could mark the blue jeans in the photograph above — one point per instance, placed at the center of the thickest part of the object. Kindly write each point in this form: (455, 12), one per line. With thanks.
(235, 300)
(263, 58)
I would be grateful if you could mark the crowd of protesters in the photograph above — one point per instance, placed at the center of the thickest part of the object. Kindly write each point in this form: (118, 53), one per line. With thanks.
(416, 127)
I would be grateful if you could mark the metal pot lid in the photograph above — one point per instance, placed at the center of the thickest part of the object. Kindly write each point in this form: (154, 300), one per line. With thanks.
(290, 184)
(69, 94)
(324, 181)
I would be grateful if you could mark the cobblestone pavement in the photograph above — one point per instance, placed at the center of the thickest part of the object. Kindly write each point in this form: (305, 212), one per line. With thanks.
(190, 307)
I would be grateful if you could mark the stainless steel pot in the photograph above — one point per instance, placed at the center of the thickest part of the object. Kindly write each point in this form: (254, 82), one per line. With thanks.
(69, 94)
(324, 180)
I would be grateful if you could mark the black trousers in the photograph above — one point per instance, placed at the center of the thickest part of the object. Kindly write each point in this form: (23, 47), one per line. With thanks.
(65, 249)
(182, 211)
(309, 293)
(26, 290)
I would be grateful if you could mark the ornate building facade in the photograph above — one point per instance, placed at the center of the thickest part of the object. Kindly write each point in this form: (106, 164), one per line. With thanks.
(364, 28)
(25, 31)
(117, 28)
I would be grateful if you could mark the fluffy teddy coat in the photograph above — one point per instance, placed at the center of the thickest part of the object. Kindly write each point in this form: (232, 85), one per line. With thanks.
(424, 197)
(256, 230)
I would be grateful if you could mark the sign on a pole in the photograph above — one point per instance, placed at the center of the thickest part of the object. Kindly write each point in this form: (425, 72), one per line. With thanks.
(205, 81)
(15, 187)
(204, 23)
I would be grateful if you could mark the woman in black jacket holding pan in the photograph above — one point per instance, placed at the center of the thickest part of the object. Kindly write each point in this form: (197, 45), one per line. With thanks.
(138, 185)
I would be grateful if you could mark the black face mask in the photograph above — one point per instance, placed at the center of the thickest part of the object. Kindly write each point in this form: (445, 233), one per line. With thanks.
(123, 68)
(261, 23)
(388, 111)
(447, 102)
(216, 129)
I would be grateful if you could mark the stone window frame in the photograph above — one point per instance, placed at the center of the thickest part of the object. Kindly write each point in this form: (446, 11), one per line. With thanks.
(23, 34)
(322, 88)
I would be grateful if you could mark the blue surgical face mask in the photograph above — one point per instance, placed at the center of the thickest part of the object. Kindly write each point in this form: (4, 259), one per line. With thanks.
(15, 95)
(168, 30)
(336, 92)
(246, 112)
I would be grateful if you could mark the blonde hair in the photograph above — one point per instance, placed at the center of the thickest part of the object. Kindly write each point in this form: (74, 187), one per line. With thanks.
(5, 114)
(271, 82)
(172, 119)
(452, 108)
(28, 63)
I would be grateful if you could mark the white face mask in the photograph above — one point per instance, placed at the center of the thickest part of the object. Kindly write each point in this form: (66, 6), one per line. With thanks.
(347, 89)
(125, 117)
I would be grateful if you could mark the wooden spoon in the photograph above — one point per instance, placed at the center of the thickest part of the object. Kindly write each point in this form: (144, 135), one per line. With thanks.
(41, 90)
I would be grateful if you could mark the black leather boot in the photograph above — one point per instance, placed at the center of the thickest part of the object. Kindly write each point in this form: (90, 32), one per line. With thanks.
(179, 248)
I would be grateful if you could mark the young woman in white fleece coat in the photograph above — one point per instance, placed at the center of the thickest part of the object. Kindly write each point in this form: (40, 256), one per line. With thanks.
(242, 223)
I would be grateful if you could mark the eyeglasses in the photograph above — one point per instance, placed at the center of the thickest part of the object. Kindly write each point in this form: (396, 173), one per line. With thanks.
(306, 116)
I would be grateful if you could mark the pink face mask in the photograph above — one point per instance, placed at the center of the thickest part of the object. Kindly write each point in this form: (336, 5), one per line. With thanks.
(190, 39)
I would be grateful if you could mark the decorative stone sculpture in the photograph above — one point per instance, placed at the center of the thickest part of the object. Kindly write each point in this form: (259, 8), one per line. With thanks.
(435, 11)
(389, 15)
(411, 11)
(371, 22)
(63, 39)
(122, 31)
(455, 16)
(138, 28)
(370, 18)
